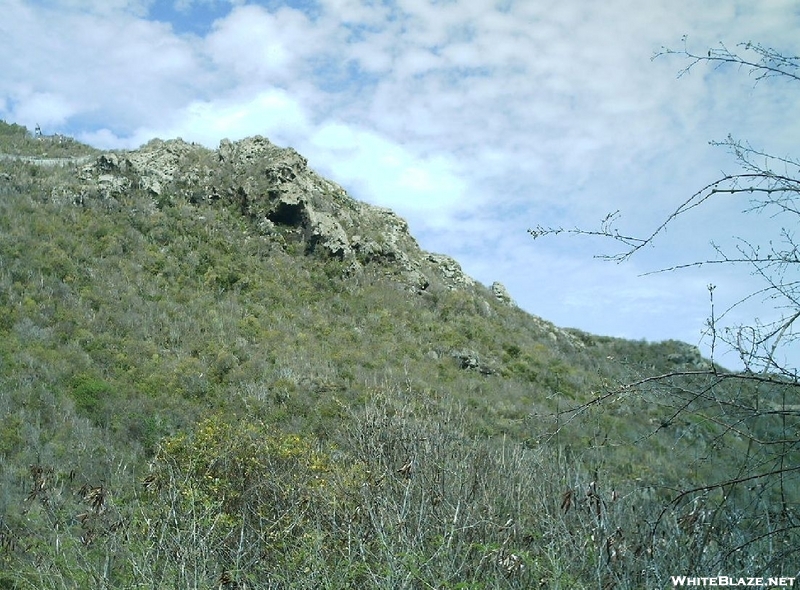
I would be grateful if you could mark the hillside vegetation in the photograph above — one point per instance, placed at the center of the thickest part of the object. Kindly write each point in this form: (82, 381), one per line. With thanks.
(217, 370)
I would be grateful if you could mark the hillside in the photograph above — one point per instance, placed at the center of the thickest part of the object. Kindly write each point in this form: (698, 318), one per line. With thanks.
(217, 369)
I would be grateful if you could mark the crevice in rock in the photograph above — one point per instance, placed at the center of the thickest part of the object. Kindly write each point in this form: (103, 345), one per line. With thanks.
(290, 214)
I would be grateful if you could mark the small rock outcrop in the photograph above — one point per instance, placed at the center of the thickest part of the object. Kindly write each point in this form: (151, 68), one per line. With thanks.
(688, 357)
(502, 294)
(470, 360)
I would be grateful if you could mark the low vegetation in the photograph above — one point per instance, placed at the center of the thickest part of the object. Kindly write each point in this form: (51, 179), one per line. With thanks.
(188, 402)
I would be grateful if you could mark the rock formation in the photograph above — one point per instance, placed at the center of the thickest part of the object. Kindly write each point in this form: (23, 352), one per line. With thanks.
(502, 294)
(286, 200)
(688, 357)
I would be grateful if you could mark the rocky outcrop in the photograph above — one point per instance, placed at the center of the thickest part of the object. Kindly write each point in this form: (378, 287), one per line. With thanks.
(502, 294)
(688, 357)
(155, 166)
(450, 270)
(471, 360)
(323, 231)
(285, 199)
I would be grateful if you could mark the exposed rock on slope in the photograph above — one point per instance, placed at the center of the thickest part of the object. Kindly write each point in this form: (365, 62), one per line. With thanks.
(502, 294)
(287, 200)
(688, 357)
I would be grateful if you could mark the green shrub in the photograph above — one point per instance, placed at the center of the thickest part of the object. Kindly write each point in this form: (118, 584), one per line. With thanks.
(91, 395)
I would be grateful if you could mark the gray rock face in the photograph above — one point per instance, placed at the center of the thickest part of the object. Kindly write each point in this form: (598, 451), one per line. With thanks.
(286, 200)
(324, 231)
(113, 185)
(688, 357)
(470, 360)
(450, 270)
(156, 165)
(282, 189)
(502, 294)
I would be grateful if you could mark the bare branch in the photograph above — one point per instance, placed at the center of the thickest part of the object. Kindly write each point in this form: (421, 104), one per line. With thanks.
(763, 62)
(749, 410)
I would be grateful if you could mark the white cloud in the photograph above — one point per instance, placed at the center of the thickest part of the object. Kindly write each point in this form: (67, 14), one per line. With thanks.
(427, 189)
(261, 47)
(123, 70)
(137, 8)
(45, 108)
(272, 113)
(187, 5)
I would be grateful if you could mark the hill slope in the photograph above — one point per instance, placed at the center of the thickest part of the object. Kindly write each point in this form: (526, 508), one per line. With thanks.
(217, 367)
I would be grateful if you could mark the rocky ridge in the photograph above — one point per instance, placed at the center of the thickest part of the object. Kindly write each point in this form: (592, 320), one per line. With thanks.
(289, 203)
(287, 200)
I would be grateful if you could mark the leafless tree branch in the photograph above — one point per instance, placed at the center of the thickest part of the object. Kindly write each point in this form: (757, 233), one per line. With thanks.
(755, 404)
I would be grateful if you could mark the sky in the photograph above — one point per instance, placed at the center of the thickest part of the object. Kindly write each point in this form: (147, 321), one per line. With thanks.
(473, 119)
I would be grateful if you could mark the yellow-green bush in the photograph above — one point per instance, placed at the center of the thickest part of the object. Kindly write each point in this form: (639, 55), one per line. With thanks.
(245, 465)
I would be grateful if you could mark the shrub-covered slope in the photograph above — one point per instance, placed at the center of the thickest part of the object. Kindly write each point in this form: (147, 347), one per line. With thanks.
(219, 370)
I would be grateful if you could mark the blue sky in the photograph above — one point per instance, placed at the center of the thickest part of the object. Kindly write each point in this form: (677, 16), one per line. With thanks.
(475, 120)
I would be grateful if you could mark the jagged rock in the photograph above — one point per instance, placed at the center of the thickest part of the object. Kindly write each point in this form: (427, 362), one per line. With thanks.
(280, 187)
(110, 184)
(366, 250)
(286, 200)
(162, 161)
(469, 359)
(416, 280)
(325, 232)
(502, 294)
(107, 162)
(688, 357)
(451, 271)
(278, 165)
(152, 185)
(284, 195)
(157, 164)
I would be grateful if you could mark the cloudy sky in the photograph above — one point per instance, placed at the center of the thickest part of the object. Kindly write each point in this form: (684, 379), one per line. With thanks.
(473, 119)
